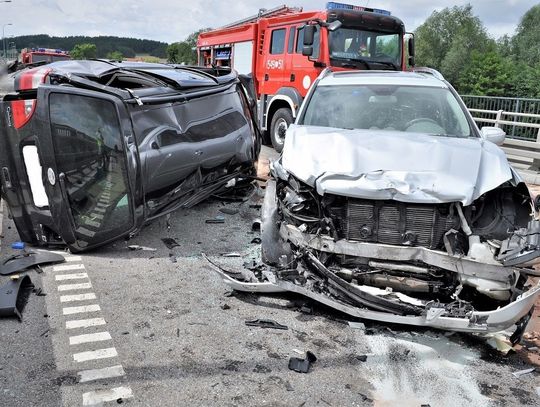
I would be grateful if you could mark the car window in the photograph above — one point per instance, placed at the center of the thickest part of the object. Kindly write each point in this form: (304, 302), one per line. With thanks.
(290, 46)
(388, 107)
(277, 42)
(168, 138)
(218, 127)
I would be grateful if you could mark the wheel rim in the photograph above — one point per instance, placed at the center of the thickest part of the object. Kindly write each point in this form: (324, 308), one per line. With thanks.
(280, 131)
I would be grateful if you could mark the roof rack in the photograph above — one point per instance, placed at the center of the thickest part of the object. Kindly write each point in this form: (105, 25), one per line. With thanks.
(274, 12)
(429, 71)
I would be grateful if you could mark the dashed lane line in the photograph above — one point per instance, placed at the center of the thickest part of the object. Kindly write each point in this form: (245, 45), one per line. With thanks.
(82, 309)
(74, 276)
(95, 354)
(73, 287)
(98, 397)
(77, 297)
(97, 374)
(84, 323)
(88, 338)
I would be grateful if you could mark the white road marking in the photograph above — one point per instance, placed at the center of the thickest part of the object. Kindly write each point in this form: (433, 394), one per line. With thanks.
(87, 338)
(68, 267)
(73, 258)
(84, 323)
(101, 396)
(86, 232)
(77, 297)
(75, 276)
(105, 373)
(95, 354)
(81, 309)
(71, 287)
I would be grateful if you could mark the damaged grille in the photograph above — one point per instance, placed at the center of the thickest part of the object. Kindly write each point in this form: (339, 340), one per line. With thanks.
(392, 222)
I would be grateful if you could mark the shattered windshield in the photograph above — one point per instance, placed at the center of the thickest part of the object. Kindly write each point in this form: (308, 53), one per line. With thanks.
(388, 107)
(350, 44)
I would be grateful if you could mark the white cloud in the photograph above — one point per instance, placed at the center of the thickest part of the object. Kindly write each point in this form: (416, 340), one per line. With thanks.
(168, 21)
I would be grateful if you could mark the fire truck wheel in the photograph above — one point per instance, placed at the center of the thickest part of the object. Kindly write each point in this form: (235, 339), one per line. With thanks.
(280, 122)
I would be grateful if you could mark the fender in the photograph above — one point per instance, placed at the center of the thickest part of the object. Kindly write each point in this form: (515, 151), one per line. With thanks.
(289, 95)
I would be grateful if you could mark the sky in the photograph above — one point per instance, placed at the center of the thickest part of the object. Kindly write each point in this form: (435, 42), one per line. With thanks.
(172, 21)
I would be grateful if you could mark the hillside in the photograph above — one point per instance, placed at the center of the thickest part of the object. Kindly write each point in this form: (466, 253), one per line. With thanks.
(129, 47)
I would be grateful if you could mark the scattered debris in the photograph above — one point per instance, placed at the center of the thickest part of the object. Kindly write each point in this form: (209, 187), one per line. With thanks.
(361, 358)
(538, 391)
(44, 333)
(229, 211)
(302, 365)
(232, 254)
(22, 261)
(357, 325)
(170, 242)
(225, 306)
(520, 373)
(178, 332)
(500, 342)
(533, 348)
(298, 351)
(39, 292)
(217, 219)
(266, 323)
(306, 310)
(255, 206)
(18, 246)
(13, 297)
(135, 247)
(256, 240)
(256, 225)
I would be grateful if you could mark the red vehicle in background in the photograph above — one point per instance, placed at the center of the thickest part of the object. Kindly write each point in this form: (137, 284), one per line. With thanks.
(285, 49)
(46, 55)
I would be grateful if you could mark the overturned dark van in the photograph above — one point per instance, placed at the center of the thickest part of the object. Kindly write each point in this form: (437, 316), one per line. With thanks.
(91, 150)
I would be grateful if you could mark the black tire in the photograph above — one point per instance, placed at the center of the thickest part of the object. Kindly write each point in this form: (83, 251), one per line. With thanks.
(281, 121)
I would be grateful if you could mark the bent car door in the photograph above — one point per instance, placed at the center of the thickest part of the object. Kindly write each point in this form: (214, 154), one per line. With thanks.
(90, 163)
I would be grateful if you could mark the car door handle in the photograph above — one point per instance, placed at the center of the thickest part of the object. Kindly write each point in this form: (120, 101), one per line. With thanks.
(293, 77)
(198, 152)
(266, 77)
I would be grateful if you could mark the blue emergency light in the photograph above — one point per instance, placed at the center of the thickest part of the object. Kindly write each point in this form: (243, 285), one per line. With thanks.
(341, 6)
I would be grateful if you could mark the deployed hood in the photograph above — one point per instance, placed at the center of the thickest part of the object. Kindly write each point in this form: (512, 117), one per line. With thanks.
(406, 167)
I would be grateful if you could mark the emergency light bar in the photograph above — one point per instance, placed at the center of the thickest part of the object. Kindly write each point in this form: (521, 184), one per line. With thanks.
(336, 6)
(50, 51)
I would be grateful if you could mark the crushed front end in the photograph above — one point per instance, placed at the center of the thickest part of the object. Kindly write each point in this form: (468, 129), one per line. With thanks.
(442, 265)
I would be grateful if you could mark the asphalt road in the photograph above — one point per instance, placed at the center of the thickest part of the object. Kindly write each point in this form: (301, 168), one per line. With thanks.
(157, 327)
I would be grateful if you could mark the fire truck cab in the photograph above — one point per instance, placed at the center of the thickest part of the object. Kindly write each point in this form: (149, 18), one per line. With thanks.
(46, 55)
(284, 50)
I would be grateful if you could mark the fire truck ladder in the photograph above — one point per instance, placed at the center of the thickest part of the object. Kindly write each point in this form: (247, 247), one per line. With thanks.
(274, 12)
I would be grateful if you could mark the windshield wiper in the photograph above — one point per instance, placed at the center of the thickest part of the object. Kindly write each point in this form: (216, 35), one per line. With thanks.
(388, 63)
(350, 63)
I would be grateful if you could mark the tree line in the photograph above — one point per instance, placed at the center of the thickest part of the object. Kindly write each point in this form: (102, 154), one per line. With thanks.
(455, 42)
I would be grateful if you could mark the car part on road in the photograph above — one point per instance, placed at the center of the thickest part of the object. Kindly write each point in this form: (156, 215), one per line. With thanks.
(25, 260)
(216, 220)
(14, 296)
(302, 365)
(520, 373)
(266, 323)
(170, 242)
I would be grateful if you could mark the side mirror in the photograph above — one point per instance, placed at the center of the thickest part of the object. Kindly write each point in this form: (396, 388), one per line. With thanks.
(334, 25)
(154, 145)
(309, 35)
(494, 134)
(410, 44)
(307, 50)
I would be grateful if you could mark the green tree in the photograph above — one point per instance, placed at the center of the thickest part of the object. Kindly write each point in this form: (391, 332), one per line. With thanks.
(488, 74)
(447, 38)
(84, 51)
(181, 52)
(115, 55)
(526, 42)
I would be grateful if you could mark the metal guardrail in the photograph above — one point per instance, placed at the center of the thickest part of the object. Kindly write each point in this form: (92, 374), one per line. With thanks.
(523, 152)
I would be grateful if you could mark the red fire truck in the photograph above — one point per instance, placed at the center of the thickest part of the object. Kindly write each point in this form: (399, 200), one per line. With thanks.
(286, 48)
(47, 55)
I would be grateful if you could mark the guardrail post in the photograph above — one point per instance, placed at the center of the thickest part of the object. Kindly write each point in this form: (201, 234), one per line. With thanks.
(498, 118)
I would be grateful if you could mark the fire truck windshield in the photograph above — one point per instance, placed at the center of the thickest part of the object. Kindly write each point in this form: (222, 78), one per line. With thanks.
(367, 47)
(49, 57)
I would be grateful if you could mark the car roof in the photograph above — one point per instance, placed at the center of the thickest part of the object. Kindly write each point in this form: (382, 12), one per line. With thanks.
(382, 78)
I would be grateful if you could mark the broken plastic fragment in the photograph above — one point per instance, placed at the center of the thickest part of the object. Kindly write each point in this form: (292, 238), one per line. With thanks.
(520, 373)
(302, 365)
